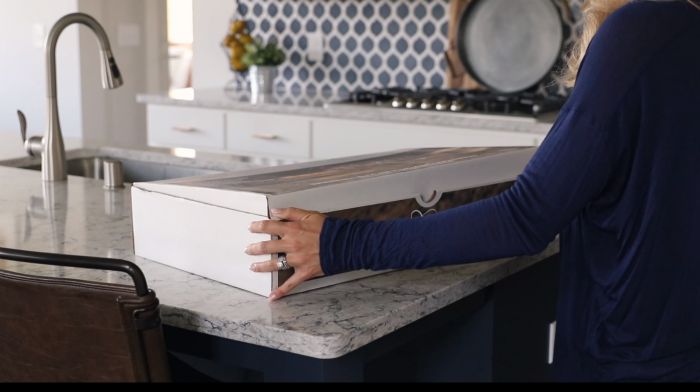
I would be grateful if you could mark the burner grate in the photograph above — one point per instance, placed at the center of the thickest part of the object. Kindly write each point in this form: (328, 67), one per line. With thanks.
(457, 101)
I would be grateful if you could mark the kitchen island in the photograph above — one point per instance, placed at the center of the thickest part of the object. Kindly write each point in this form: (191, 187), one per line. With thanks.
(468, 322)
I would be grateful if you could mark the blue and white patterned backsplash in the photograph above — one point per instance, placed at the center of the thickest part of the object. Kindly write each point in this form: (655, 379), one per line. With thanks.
(368, 43)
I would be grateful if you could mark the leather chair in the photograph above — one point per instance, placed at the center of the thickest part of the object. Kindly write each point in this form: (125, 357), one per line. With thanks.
(57, 329)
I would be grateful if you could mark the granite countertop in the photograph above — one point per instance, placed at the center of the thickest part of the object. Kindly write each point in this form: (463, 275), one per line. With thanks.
(214, 162)
(327, 103)
(80, 217)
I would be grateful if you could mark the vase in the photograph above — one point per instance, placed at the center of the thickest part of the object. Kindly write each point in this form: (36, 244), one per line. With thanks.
(262, 79)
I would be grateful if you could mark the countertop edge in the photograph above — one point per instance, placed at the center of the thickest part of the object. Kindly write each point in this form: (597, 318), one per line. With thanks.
(498, 123)
(337, 345)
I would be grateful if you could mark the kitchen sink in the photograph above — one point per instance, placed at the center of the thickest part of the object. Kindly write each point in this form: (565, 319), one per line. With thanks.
(134, 170)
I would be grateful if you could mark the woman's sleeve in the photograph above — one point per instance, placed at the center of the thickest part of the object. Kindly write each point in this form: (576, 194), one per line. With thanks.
(571, 167)
(580, 155)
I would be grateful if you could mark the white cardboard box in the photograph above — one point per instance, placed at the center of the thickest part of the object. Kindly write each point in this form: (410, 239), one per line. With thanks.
(200, 224)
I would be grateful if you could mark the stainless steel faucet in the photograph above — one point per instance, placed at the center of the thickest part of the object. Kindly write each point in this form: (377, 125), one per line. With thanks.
(51, 147)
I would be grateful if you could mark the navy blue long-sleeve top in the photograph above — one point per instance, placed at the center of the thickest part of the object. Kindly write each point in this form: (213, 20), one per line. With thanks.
(618, 177)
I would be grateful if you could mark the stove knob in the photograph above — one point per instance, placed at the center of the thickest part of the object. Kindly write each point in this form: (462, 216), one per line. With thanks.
(457, 105)
(398, 102)
(427, 104)
(412, 103)
(537, 109)
(443, 104)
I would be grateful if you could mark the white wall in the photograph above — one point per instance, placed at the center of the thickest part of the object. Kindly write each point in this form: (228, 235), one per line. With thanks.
(22, 69)
(209, 63)
(137, 31)
(100, 117)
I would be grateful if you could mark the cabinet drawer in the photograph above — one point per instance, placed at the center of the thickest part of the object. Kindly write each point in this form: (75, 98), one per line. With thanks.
(173, 126)
(269, 134)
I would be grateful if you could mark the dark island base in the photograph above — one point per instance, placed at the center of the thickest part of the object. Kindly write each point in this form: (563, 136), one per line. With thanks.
(498, 334)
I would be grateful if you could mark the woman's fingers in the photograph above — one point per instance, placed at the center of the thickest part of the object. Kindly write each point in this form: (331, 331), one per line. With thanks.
(269, 227)
(267, 248)
(291, 283)
(300, 242)
(290, 214)
(265, 266)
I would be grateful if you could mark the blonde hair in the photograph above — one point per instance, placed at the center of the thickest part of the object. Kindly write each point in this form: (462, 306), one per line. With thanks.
(594, 14)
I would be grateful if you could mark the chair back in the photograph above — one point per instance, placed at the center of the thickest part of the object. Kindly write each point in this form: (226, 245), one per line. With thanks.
(64, 330)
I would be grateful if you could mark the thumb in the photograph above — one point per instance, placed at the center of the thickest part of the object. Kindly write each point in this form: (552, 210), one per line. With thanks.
(290, 214)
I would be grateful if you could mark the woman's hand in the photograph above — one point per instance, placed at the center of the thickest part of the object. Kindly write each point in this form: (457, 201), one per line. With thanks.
(299, 239)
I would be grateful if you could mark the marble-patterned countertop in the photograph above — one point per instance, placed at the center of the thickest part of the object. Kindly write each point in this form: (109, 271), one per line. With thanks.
(215, 162)
(80, 217)
(326, 103)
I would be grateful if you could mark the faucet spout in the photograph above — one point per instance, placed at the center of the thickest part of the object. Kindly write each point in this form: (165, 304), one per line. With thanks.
(111, 76)
(53, 158)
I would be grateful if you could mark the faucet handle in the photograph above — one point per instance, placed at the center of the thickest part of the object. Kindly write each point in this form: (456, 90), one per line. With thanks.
(34, 144)
(22, 125)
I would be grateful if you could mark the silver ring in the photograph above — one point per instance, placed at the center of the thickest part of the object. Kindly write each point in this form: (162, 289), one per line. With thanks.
(282, 264)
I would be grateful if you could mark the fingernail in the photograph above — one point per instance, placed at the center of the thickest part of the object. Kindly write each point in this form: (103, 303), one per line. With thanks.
(247, 250)
(273, 297)
(275, 211)
(253, 267)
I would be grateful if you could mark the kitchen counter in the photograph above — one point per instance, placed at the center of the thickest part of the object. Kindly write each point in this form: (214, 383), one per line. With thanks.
(327, 104)
(215, 162)
(80, 217)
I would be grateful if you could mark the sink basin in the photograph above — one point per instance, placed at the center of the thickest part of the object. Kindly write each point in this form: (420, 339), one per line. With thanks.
(134, 170)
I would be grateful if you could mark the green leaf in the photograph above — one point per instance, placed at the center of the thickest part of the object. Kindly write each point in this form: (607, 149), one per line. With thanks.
(261, 54)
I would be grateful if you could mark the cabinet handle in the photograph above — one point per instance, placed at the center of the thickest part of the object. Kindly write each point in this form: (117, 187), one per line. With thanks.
(266, 136)
(185, 129)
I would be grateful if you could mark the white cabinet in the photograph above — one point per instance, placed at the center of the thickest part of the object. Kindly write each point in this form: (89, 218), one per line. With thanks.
(336, 138)
(265, 134)
(175, 126)
(303, 138)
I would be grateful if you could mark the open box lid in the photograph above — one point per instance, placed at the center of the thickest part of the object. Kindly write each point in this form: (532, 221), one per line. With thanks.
(339, 184)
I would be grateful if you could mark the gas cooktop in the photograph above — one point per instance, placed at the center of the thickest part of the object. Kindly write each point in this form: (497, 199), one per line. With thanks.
(457, 101)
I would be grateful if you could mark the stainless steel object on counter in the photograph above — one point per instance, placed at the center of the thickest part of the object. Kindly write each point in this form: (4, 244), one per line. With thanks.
(457, 105)
(427, 104)
(113, 174)
(262, 81)
(412, 103)
(32, 145)
(398, 102)
(443, 104)
(53, 154)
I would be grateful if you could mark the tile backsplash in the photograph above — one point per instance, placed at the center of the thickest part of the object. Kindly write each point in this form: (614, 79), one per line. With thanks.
(368, 43)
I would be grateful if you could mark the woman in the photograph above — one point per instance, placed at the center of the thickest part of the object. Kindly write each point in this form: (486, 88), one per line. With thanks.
(618, 177)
